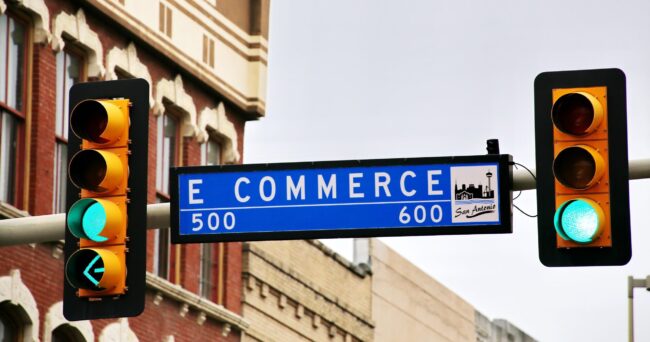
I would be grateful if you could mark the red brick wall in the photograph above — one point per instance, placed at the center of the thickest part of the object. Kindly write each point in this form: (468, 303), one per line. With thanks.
(41, 161)
(42, 273)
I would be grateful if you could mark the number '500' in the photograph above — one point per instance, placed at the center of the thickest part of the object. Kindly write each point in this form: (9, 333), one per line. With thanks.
(213, 221)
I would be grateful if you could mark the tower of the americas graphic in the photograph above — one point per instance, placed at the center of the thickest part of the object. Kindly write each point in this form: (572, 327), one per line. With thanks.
(489, 187)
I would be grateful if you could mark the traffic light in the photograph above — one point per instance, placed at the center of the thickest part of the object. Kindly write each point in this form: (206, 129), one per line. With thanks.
(105, 240)
(582, 168)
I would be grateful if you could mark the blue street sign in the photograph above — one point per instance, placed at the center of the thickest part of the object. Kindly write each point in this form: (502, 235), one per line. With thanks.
(456, 195)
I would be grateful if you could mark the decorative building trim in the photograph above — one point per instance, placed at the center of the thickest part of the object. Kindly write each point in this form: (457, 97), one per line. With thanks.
(76, 29)
(215, 121)
(40, 16)
(174, 92)
(9, 211)
(54, 318)
(237, 90)
(127, 61)
(208, 308)
(118, 332)
(16, 292)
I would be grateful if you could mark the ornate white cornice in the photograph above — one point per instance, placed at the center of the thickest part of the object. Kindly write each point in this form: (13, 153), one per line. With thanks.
(54, 318)
(217, 121)
(76, 29)
(119, 331)
(127, 60)
(174, 92)
(40, 16)
(196, 303)
(13, 289)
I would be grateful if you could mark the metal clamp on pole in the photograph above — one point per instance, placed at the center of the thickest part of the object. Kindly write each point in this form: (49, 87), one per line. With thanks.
(631, 284)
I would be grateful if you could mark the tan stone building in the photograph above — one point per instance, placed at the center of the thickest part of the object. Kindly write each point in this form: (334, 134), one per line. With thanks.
(410, 305)
(303, 291)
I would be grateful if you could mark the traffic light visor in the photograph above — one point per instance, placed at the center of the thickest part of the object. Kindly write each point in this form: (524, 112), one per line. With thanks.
(579, 220)
(578, 167)
(101, 122)
(577, 113)
(95, 219)
(95, 170)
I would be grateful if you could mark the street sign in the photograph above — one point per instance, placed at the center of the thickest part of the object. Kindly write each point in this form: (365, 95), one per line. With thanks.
(388, 197)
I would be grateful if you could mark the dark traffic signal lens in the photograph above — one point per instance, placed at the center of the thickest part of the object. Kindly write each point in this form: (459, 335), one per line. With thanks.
(97, 171)
(577, 113)
(578, 167)
(97, 121)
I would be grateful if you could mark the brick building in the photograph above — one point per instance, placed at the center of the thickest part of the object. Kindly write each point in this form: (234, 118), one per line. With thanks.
(205, 61)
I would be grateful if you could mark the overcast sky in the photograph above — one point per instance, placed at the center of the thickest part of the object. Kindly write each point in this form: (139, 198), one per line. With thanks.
(378, 79)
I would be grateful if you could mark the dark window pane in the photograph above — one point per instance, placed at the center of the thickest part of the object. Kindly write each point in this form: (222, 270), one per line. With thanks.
(8, 146)
(16, 65)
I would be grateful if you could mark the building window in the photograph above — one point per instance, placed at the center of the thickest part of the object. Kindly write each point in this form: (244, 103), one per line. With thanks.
(211, 152)
(11, 327)
(13, 38)
(208, 51)
(211, 273)
(68, 72)
(206, 281)
(66, 333)
(165, 19)
(167, 152)
(167, 155)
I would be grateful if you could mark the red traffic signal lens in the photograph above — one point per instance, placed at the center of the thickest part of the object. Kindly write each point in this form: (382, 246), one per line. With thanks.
(95, 170)
(578, 167)
(98, 121)
(577, 113)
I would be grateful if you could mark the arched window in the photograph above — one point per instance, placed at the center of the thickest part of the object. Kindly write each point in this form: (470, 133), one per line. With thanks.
(176, 118)
(11, 322)
(67, 333)
(211, 152)
(168, 147)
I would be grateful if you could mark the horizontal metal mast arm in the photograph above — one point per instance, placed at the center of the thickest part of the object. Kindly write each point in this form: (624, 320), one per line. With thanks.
(44, 228)
(522, 179)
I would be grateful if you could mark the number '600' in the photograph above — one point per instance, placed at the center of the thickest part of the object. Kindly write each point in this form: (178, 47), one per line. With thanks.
(419, 214)
(213, 221)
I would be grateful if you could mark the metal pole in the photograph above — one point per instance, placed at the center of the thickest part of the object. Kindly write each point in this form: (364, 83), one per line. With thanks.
(523, 180)
(44, 228)
(34, 229)
(631, 284)
(630, 309)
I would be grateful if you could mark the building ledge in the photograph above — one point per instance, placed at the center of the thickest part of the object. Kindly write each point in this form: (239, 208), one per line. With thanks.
(193, 301)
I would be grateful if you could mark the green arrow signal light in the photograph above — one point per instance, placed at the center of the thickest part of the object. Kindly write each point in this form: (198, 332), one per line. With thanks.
(579, 220)
(95, 269)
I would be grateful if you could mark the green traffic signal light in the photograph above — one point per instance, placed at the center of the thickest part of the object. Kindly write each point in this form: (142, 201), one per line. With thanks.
(579, 220)
(98, 220)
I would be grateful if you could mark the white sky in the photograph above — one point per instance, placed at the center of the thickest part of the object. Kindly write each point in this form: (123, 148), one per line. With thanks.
(378, 79)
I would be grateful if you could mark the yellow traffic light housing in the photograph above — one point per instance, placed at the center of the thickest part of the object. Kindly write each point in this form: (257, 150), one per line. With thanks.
(105, 246)
(98, 219)
(582, 169)
(581, 183)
